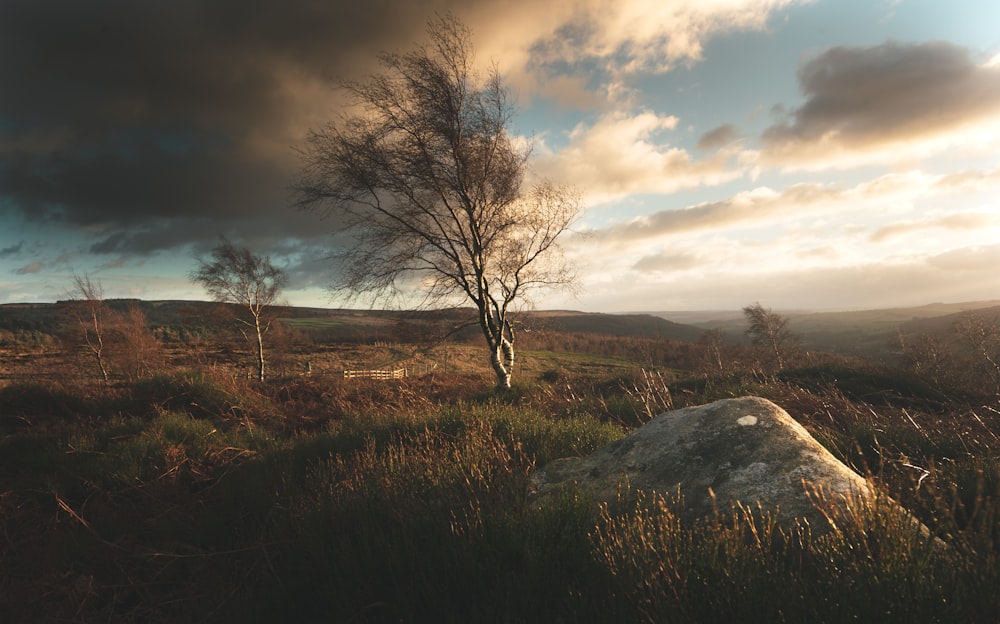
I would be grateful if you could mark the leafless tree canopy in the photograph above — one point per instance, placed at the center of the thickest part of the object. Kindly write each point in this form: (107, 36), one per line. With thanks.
(769, 329)
(90, 315)
(427, 179)
(237, 275)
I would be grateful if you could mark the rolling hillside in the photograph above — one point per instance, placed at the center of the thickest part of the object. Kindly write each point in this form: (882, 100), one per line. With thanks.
(866, 333)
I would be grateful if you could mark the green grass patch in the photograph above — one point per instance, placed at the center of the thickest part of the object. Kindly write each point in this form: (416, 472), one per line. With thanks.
(317, 323)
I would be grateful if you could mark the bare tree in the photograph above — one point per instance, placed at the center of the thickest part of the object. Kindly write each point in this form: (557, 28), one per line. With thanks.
(139, 353)
(236, 275)
(712, 341)
(981, 336)
(88, 302)
(926, 355)
(769, 329)
(431, 185)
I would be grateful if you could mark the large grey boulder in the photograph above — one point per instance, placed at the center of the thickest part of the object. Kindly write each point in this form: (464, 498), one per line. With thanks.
(746, 449)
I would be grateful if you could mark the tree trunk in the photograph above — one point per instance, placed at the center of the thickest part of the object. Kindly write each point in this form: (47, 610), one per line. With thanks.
(501, 343)
(502, 360)
(97, 344)
(501, 372)
(260, 350)
(777, 355)
(100, 365)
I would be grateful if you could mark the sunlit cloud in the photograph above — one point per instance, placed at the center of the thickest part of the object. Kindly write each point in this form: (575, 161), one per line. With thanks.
(625, 153)
(807, 242)
(959, 221)
(760, 205)
(580, 52)
(645, 35)
(887, 194)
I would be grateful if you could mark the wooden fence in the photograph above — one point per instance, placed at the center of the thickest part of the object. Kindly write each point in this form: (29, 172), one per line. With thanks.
(399, 373)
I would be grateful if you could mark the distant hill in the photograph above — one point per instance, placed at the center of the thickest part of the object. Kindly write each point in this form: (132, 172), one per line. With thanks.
(639, 325)
(868, 333)
(942, 324)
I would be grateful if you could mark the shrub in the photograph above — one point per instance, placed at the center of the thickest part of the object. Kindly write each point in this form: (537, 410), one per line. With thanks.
(192, 393)
(33, 405)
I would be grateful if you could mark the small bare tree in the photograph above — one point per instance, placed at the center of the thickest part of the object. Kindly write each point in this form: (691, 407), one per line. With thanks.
(769, 329)
(712, 341)
(236, 275)
(926, 354)
(429, 182)
(138, 352)
(981, 337)
(88, 302)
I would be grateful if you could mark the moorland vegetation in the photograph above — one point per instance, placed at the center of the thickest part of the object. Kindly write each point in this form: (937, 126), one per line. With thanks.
(187, 490)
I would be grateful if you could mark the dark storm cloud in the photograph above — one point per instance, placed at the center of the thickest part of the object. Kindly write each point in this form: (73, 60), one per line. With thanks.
(140, 120)
(860, 97)
(122, 182)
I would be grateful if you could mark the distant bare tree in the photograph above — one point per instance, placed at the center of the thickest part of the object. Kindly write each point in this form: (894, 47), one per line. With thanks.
(711, 340)
(137, 351)
(428, 181)
(981, 335)
(926, 355)
(87, 296)
(769, 329)
(236, 275)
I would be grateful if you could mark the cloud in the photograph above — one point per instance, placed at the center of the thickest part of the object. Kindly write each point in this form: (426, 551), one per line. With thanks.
(718, 137)
(756, 206)
(119, 117)
(623, 153)
(882, 197)
(647, 35)
(28, 269)
(957, 221)
(964, 274)
(13, 250)
(971, 180)
(41, 265)
(135, 181)
(884, 103)
(891, 238)
(981, 260)
(662, 262)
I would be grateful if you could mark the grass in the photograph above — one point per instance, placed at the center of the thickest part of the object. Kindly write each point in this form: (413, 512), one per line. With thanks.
(198, 497)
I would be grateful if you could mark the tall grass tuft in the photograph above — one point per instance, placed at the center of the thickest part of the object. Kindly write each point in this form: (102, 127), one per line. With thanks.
(741, 566)
(433, 526)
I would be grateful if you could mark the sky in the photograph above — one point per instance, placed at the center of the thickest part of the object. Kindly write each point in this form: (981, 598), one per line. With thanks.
(809, 155)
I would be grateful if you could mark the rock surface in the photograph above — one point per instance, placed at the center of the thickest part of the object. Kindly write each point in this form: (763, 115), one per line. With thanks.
(746, 449)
